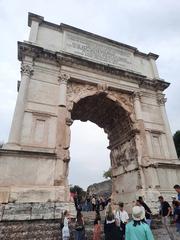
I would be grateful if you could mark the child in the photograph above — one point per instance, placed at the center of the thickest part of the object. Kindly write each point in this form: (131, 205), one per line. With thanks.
(65, 230)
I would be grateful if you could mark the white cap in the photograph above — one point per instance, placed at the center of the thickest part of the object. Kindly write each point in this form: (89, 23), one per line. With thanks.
(137, 213)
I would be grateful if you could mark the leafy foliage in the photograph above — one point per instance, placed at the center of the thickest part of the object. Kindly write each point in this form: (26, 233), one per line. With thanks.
(108, 174)
(176, 138)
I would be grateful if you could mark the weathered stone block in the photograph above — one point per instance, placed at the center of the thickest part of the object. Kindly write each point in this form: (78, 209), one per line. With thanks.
(59, 208)
(42, 211)
(4, 195)
(17, 211)
(1, 211)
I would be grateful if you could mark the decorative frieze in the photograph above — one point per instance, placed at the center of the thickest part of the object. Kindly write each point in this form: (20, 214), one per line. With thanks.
(62, 58)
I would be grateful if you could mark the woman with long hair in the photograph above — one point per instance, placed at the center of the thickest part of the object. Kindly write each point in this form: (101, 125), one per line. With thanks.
(79, 227)
(109, 224)
(97, 227)
(138, 228)
(65, 229)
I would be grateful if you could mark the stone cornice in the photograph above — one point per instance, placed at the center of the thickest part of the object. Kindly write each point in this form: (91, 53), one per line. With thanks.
(34, 17)
(62, 27)
(61, 58)
(22, 153)
(164, 165)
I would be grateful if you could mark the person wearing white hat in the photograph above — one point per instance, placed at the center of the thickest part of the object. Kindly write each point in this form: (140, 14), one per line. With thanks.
(138, 229)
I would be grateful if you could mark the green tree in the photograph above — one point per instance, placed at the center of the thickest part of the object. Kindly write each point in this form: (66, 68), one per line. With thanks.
(176, 138)
(108, 174)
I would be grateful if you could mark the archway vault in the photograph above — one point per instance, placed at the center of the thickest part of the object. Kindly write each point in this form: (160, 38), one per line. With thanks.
(112, 111)
(107, 114)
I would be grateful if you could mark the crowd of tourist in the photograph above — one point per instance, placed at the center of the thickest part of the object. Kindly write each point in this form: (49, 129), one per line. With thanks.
(117, 225)
(91, 203)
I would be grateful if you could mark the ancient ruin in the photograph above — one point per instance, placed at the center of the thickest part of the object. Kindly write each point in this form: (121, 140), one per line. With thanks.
(69, 74)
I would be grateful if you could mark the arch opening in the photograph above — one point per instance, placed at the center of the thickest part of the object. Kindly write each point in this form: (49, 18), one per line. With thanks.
(89, 154)
(116, 122)
(107, 114)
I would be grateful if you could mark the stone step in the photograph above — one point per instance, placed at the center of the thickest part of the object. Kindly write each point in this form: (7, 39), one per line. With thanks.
(50, 230)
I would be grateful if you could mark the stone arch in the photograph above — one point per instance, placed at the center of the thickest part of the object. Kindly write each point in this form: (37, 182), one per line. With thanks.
(78, 92)
(108, 111)
(52, 82)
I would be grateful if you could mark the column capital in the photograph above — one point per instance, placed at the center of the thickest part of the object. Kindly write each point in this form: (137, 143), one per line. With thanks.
(27, 69)
(137, 95)
(161, 100)
(63, 78)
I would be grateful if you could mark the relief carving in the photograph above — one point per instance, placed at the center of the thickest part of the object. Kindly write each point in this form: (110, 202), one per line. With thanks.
(124, 154)
(137, 95)
(124, 99)
(102, 87)
(76, 90)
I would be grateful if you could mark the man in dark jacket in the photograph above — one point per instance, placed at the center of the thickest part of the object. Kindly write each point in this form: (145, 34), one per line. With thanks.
(147, 211)
(165, 211)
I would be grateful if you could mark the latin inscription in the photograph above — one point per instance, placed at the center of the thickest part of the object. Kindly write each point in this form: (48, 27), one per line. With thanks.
(97, 51)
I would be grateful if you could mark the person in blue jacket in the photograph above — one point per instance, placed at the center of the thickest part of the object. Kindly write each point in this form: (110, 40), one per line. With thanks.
(138, 229)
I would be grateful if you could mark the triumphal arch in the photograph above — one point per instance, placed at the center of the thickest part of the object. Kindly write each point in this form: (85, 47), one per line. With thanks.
(69, 74)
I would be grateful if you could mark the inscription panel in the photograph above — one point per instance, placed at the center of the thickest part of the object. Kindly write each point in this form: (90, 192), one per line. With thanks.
(97, 51)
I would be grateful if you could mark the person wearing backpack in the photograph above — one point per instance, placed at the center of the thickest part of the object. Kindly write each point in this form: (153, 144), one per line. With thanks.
(138, 229)
(79, 226)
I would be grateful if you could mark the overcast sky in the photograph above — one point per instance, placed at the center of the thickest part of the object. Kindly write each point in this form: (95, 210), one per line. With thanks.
(149, 25)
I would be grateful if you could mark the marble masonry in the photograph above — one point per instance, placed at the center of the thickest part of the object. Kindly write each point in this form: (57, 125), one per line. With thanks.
(69, 74)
